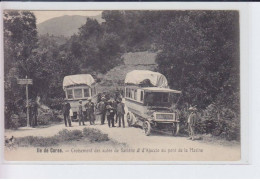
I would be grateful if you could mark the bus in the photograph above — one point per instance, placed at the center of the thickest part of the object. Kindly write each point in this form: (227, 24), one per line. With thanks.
(79, 87)
(149, 100)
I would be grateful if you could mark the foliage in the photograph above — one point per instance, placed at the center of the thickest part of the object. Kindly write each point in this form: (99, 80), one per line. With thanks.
(20, 39)
(95, 48)
(36, 141)
(95, 135)
(62, 136)
(66, 135)
(13, 121)
(200, 57)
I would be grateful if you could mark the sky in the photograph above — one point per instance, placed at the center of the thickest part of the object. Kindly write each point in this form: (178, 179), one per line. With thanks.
(42, 16)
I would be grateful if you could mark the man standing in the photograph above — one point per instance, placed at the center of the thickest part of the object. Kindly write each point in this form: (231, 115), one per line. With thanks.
(91, 110)
(80, 113)
(110, 114)
(192, 119)
(87, 110)
(121, 112)
(66, 109)
(114, 105)
(35, 112)
(102, 108)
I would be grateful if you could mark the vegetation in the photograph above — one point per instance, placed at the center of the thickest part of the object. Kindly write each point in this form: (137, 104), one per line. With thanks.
(91, 134)
(198, 52)
(95, 135)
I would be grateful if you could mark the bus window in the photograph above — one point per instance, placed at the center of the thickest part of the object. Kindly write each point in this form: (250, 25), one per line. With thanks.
(86, 92)
(91, 90)
(78, 93)
(142, 96)
(95, 91)
(129, 93)
(69, 94)
(165, 97)
(126, 92)
(135, 94)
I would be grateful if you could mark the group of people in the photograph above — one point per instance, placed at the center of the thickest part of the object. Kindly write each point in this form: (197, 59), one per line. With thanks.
(106, 109)
(113, 111)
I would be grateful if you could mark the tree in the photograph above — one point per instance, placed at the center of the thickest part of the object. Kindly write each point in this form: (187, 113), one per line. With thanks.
(20, 38)
(95, 49)
(196, 55)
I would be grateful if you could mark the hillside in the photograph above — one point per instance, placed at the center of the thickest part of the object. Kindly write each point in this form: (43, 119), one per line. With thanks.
(64, 25)
(132, 61)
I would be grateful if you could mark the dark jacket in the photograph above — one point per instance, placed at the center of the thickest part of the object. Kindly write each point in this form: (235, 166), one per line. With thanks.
(120, 108)
(102, 107)
(111, 112)
(66, 108)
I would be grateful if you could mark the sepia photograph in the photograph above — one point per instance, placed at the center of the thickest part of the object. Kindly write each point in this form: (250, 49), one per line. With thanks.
(122, 85)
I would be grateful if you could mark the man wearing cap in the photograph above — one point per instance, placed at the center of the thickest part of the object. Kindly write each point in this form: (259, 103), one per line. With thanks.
(80, 113)
(102, 109)
(110, 113)
(121, 112)
(66, 109)
(192, 119)
(91, 110)
(87, 109)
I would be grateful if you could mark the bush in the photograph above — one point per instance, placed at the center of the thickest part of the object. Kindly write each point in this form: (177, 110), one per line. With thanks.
(55, 103)
(66, 135)
(183, 122)
(95, 135)
(45, 118)
(13, 121)
(37, 141)
(62, 136)
(215, 120)
(222, 121)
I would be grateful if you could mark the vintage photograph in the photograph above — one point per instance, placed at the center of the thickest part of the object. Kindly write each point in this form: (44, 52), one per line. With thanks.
(122, 85)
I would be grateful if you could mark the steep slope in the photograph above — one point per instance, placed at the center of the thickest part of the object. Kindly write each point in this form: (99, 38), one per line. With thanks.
(64, 25)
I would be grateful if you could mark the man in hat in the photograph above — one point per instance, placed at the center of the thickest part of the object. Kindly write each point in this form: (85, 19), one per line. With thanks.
(110, 113)
(87, 109)
(121, 112)
(102, 109)
(66, 112)
(192, 119)
(91, 110)
(80, 113)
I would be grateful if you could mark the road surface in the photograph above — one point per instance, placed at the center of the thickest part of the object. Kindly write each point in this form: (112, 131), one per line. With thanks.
(134, 138)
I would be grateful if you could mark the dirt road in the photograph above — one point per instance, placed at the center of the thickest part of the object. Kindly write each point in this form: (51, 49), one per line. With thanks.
(134, 138)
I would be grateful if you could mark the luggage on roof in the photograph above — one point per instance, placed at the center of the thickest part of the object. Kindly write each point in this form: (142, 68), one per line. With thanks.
(138, 77)
(81, 79)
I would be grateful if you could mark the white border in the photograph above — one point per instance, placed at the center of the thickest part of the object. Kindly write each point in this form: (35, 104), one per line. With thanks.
(248, 135)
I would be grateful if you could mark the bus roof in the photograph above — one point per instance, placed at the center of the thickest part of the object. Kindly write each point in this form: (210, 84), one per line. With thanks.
(159, 89)
(79, 79)
(136, 77)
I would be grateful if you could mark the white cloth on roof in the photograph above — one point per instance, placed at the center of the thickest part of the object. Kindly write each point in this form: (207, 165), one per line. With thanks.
(78, 80)
(137, 76)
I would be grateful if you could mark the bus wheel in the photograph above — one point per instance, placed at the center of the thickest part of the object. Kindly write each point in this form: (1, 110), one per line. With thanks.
(129, 119)
(147, 128)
